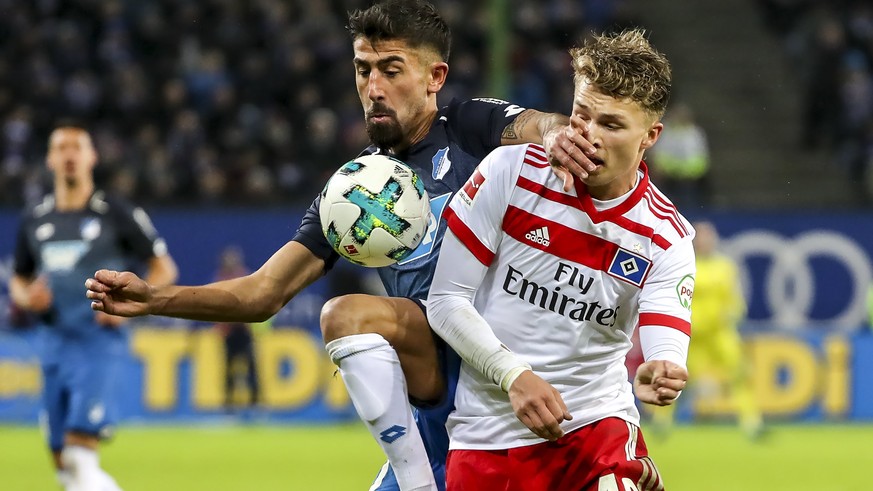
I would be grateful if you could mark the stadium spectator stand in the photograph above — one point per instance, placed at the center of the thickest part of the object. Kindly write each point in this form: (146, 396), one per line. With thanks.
(248, 103)
(219, 101)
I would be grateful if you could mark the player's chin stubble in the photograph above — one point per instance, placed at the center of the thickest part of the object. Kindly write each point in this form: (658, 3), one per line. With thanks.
(385, 135)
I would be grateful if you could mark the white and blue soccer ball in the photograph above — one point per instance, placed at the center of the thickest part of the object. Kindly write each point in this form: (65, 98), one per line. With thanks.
(374, 211)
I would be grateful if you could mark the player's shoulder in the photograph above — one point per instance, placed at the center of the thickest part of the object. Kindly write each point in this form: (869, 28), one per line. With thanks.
(40, 209)
(103, 202)
(458, 110)
(522, 151)
(480, 103)
(119, 210)
(370, 150)
(664, 217)
(514, 159)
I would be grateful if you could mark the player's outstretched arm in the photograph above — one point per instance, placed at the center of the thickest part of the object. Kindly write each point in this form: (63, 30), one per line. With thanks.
(659, 382)
(252, 298)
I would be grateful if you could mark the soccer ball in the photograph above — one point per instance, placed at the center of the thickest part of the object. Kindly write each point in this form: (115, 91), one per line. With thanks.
(374, 211)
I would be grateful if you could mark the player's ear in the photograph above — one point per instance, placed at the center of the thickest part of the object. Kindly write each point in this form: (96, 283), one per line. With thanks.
(89, 149)
(437, 76)
(652, 135)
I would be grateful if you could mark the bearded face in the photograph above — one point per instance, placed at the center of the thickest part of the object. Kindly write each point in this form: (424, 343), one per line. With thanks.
(383, 128)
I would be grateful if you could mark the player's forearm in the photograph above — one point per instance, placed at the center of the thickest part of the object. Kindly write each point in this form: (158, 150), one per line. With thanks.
(452, 316)
(547, 122)
(531, 126)
(664, 343)
(18, 292)
(252, 298)
(225, 301)
(457, 322)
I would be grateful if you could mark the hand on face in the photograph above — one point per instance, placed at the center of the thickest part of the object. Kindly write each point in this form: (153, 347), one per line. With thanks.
(621, 130)
(568, 150)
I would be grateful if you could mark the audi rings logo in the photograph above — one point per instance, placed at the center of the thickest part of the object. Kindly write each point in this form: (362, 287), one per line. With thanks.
(790, 284)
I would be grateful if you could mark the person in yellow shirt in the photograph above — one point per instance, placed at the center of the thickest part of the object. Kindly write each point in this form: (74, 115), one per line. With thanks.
(870, 307)
(716, 350)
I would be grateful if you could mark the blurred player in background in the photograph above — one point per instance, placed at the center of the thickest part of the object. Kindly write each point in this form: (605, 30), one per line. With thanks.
(61, 241)
(870, 307)
(716, 353)
(680, 161)
(382, 345)
(239, 341)
(540, 290)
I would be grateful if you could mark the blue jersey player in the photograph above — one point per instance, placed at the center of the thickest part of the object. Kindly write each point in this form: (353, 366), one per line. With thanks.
(384, 348)
(60, 242)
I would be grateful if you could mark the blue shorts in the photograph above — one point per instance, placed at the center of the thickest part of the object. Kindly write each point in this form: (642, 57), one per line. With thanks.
(79, 397)
(431, 419)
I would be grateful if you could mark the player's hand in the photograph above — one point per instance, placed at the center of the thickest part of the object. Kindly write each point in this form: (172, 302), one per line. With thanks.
(659, 382)
(568, 150)
(39, 296)
(538, 405)
(118, 293)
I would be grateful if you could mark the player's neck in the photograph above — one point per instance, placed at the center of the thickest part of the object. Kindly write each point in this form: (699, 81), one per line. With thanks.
(73, 196)
(419, 132)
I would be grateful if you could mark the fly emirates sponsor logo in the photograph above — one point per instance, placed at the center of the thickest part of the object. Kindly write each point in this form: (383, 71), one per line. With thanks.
(551, 297)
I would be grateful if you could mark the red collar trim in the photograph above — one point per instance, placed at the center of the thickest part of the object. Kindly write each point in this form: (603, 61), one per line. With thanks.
(618, 210)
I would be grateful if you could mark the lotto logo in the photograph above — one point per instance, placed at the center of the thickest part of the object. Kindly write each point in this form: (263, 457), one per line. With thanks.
(392, 434)
(538, 236)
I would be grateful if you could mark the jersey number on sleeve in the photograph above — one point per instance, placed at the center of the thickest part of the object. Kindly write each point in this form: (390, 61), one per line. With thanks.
(608, 483)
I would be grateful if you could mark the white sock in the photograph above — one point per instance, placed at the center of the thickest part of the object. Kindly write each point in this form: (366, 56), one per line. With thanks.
(83, 472)
(108, 482)
(64, 478)
(371, 371)
(83, 464)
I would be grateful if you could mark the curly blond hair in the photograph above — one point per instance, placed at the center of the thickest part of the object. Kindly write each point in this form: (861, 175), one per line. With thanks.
(625, 66)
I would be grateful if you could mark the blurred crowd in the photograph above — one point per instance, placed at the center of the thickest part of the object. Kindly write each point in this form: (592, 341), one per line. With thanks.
(194, 102)
(830, 45)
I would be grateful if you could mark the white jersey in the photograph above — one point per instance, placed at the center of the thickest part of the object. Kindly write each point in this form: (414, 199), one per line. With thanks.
(566, 285)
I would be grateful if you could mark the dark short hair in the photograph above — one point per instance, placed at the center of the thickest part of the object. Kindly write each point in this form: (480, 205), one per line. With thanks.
(69, 122)
(416, 22)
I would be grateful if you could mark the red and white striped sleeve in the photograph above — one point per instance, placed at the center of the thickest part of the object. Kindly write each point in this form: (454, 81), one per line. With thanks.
(474, 219)
(475, 214)
(665, 304)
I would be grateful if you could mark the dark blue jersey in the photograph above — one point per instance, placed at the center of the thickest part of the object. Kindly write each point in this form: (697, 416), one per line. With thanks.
(459, 138)
(68, 247)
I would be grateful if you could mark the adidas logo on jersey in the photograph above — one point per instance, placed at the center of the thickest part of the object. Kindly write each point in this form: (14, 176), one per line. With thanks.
(538, 236)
